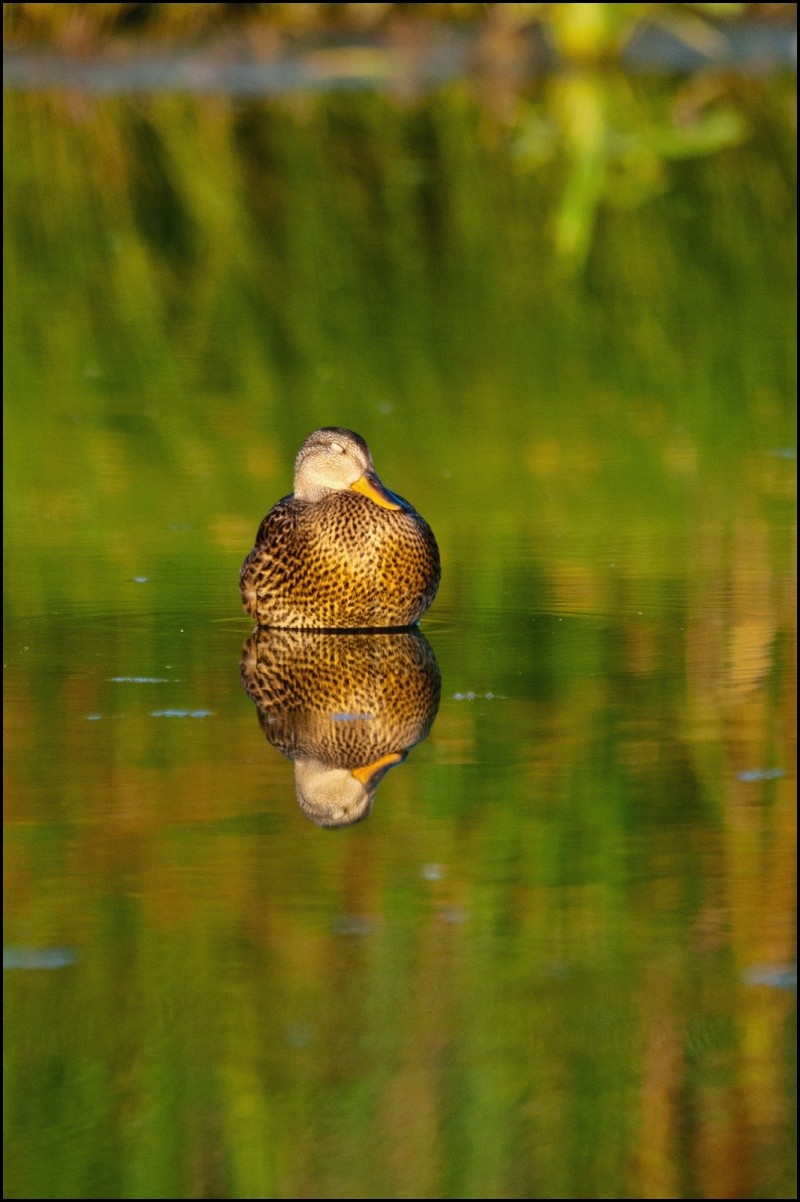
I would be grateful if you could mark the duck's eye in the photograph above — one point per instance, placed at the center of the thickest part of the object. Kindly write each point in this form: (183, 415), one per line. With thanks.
(337, 448)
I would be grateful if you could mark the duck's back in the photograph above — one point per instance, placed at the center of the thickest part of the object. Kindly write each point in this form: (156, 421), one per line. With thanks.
(340, 563)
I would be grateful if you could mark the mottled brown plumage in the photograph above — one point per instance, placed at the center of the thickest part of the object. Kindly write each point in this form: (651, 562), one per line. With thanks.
(342, 552)
(344, 707)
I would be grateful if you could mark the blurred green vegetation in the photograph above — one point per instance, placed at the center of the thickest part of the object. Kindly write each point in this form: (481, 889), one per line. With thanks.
(195, 285)
(564, 321)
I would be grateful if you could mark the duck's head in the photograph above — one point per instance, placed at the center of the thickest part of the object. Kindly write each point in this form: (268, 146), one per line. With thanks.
(332, 796)
(332, 460)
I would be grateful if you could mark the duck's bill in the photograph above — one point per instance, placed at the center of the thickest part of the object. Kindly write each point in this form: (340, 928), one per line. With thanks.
(370, 486)
(367, 775)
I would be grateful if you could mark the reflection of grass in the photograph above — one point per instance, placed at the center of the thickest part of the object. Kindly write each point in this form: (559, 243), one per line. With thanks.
(569, 983)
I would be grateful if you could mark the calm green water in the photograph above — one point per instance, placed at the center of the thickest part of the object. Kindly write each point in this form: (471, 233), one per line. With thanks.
(557, 957)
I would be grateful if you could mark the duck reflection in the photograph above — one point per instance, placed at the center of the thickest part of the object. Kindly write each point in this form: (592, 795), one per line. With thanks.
(344, 707)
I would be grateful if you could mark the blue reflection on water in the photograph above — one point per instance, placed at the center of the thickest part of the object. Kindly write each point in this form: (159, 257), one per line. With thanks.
(777, 976)
(37, 957)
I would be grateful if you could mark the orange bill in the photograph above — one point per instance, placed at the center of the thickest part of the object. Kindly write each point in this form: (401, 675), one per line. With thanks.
(366, 773)
(370, 486)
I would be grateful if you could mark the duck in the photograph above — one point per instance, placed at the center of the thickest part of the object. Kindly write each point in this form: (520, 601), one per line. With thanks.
(345, 707)
(341, 552)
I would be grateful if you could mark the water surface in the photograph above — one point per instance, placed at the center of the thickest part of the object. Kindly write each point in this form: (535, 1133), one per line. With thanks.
(556, 959)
